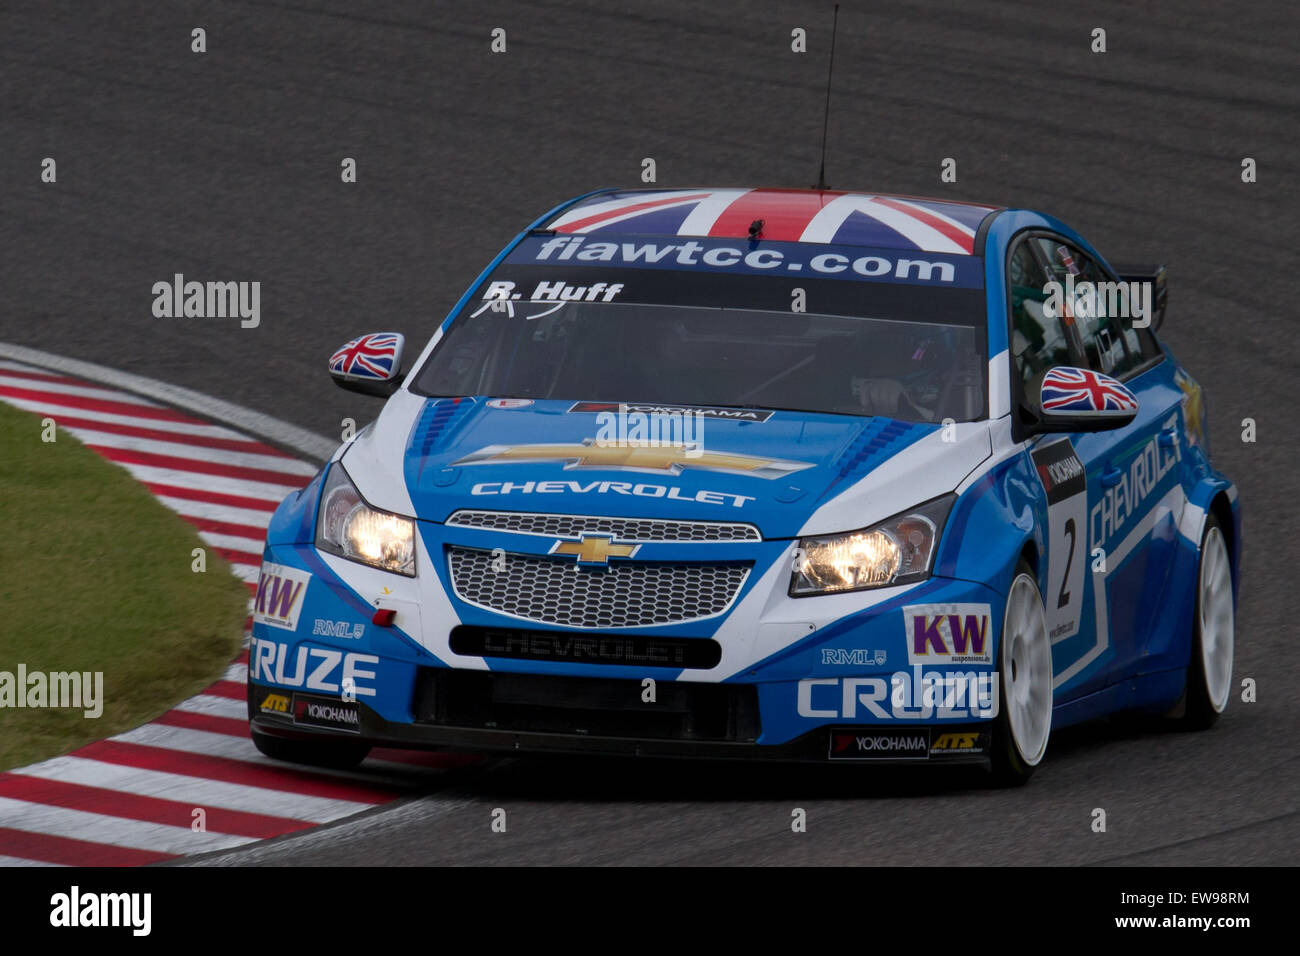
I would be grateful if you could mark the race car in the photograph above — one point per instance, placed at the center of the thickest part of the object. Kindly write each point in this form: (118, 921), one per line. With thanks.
(798, 475)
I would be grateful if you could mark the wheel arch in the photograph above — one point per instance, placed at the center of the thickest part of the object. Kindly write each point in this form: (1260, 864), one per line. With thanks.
(1218, 497)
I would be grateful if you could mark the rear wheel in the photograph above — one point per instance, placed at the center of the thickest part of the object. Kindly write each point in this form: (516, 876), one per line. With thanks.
(1024, 720)
(1209, 672)
(336, 754)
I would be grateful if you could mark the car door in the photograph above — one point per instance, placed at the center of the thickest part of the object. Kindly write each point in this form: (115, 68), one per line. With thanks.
(1132, 497)
(1043, 338)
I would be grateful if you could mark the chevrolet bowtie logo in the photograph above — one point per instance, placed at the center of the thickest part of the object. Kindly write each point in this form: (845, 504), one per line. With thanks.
(669, 459)
(595, 549)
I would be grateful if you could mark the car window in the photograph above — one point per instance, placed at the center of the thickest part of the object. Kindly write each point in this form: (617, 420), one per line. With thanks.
(1038, 341)
(1100, 308)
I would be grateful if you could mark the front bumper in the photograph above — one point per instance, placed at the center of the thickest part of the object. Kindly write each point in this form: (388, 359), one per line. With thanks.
(536, 714)
(774, 678)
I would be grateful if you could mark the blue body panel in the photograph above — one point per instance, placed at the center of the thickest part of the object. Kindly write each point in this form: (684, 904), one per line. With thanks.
(1121, 631)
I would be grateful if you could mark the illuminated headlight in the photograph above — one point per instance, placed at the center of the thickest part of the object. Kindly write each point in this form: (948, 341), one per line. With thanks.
(352, 529)
(897, 551)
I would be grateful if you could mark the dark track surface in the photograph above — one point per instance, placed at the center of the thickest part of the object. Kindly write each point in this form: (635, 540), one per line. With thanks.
(226, 166)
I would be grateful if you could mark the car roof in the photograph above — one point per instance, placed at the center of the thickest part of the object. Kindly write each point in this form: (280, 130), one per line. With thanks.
(876, 220)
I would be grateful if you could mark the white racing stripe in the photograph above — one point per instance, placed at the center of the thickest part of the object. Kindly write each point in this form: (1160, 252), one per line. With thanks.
(250, 545)
(216, 706)
(241, 748)
(115, 831)
(112, 418)
(19, 861)
(215, 512)
(237, 673)
(62, 394)
(248, 573)
(279, 432)
(179, 448)
(197, 790)
(218, 483)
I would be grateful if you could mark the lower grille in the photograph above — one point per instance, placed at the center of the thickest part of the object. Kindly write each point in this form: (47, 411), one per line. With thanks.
(533, 703)
(631, 650)
(626, 594)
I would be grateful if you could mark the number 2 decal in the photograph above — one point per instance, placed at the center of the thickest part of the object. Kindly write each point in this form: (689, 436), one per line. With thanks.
(1066, 485)
(1064, 598)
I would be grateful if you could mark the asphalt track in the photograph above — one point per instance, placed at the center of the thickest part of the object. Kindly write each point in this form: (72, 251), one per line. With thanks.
(225, 166)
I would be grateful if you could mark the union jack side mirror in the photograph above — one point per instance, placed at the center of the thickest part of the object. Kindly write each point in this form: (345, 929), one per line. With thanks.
(1080, 400)
(370, 364)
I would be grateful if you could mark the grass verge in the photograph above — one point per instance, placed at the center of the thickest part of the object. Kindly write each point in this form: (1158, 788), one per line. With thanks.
(95, 575)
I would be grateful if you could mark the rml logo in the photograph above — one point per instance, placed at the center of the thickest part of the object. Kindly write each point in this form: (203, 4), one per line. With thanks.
(948, 634)
(852, 656)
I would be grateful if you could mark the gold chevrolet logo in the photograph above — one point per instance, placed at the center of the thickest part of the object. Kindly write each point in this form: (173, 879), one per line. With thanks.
(669, 459)
(594, 549)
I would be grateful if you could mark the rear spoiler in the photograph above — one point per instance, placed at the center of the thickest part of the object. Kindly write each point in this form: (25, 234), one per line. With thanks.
(1157, 275)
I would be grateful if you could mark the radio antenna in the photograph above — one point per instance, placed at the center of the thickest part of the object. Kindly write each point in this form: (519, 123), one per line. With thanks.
(826, 115)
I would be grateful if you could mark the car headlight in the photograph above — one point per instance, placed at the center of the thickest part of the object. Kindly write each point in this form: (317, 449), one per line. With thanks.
(350, 528)
(897, 551)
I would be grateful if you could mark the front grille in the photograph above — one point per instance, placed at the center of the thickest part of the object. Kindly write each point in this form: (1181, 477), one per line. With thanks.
(537, 703)
(627, 594)
(622, 529)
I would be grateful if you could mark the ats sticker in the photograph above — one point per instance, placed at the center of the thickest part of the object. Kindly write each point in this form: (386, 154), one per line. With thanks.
(326, 712)
(275, 704)
(964, 743)
(948, 634)
(280, 592)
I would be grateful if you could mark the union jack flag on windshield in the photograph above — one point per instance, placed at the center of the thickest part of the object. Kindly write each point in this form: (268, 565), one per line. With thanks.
(370, 356)
(1079, 390)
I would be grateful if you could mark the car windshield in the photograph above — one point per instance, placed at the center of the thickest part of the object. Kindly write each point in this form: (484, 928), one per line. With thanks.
(919, 355)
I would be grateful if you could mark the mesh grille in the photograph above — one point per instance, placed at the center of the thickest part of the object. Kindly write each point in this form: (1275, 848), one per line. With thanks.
(623, 529)
(628, 594)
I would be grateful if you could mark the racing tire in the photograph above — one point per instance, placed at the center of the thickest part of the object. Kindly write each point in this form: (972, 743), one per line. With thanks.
(1024, 720)
(334, 754)
(1209, 670)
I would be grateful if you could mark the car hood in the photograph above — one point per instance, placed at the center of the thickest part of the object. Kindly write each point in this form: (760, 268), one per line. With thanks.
(788, 473)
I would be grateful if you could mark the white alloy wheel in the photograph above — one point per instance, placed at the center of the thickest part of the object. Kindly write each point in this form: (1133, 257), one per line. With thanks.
(1027, 670)
(1215, 608)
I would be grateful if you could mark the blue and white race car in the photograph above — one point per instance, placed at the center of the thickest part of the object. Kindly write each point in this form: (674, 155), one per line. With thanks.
(791, 474)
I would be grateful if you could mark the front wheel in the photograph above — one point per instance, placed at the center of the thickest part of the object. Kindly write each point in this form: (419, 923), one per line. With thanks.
(1024, 720)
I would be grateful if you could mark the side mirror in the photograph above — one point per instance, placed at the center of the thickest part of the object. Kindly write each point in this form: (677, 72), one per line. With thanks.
(370, 364)
(1079, 400)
